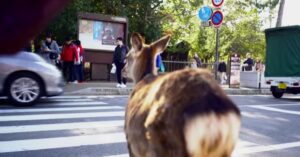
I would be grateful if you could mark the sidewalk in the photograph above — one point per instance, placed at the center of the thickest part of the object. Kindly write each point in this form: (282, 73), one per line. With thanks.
(109, 88)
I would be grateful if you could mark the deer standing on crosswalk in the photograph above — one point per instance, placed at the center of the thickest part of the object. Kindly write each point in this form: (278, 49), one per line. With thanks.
(179, 114)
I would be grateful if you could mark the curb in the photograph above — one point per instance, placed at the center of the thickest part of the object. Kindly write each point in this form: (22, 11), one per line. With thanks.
(126, 91)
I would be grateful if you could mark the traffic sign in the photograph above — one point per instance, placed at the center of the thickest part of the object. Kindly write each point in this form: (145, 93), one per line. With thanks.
(217, 18)
(205, 13)
(217, 3)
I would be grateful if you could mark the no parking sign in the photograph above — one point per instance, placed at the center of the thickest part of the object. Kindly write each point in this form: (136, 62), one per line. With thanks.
(217, 18)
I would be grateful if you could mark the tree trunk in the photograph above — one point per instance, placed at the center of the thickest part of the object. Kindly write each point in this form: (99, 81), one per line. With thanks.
(280, 13)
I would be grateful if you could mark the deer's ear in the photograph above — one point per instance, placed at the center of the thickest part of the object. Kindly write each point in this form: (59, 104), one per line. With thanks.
(161, 44)
(137, 41)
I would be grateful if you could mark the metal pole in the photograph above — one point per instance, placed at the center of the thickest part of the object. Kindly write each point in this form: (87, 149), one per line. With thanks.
(217, 55)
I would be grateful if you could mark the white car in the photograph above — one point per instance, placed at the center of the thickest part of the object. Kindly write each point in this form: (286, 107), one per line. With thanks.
(25, 77)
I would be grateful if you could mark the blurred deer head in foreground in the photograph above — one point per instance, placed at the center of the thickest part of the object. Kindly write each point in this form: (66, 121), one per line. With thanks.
(180, 114)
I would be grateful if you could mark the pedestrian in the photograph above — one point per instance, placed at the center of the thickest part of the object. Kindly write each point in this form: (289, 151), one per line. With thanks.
(222, 72)
(68, 56)
(193, 63)
(29, 47)
(78, 63)
(259, 66)
(249, 63)
(198, 61)
(50, 50)
(119, 60)
(159, 64)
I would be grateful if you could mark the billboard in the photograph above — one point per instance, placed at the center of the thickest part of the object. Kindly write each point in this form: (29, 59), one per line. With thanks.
(100, 35)
(235, 62)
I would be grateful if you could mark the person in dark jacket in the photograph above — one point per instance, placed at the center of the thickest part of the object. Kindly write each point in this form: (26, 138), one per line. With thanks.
(68, 57)
(119, 60)
(249, 63)
(222, 71)
(49, 49)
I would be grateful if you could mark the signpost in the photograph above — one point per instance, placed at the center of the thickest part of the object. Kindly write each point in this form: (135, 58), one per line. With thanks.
(205, 15)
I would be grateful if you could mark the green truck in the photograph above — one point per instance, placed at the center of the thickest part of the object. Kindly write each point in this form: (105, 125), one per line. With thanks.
(283, 60)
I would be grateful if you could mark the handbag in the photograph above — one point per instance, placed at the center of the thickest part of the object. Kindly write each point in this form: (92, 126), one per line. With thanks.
(113, 69)
(53, 55)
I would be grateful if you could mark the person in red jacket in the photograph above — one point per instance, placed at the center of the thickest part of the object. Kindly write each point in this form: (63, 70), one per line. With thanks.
(79, 62)
(68, 56)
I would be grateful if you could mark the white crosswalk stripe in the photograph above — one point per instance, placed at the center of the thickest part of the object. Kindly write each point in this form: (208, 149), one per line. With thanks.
(60, 109)
(63, 126)
(60, 116)
(60, 142)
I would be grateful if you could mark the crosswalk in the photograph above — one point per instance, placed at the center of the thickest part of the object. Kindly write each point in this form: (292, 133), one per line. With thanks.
(58, 125)
(67, 126)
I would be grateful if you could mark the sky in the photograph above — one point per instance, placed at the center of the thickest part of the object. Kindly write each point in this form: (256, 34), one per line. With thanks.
(291, 13)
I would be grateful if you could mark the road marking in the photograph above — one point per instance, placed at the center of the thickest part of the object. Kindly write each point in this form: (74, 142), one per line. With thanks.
(68, 103)
(244, 144)
(72, 97)
(258, 149)
(61, 126)
(120, 155)
(249, 150)
(59, 109)
(273, 105)
(61, 116)
(240, 144)
(60, 142)
(276, 110)
(75, 103)
(85, 97)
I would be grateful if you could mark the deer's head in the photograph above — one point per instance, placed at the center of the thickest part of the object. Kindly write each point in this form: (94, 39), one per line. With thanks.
(141, 58)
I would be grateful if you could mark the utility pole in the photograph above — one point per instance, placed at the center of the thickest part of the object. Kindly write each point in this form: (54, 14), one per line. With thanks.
(280, 13)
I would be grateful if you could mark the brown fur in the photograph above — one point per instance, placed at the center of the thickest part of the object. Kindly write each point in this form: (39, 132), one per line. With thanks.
(165, 112)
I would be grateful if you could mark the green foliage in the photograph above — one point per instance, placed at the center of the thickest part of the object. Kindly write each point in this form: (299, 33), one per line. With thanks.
(241, 31)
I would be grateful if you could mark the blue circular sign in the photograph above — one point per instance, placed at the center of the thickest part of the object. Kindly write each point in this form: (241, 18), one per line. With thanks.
(217, 18)
(205, 13)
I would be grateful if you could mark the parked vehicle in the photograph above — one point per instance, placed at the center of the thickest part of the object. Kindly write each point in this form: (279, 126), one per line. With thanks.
(283, 60)
(25, 77)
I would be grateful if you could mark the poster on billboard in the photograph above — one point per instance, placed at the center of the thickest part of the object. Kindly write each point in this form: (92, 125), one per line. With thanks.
(235, 62)
(100, 35)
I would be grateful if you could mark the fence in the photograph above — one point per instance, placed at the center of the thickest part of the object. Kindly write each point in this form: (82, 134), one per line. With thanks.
(177, 65)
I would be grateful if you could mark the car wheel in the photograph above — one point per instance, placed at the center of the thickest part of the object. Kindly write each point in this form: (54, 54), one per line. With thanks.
(277, 94)
(24, 89)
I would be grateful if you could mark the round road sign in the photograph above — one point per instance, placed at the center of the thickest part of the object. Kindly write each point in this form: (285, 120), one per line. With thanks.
(217, 18)
(217, 3)
(205, 13)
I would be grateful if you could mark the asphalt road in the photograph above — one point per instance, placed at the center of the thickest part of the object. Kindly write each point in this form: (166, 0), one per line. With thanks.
(90, 126)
